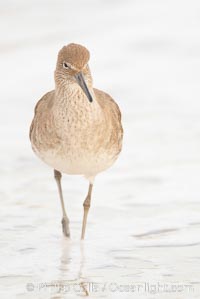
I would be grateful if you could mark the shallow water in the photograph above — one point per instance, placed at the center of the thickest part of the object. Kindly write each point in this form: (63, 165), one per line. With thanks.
(143, 234)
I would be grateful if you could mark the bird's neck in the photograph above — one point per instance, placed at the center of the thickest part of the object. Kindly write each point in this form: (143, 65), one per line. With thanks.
(72, 99)
(70, 92)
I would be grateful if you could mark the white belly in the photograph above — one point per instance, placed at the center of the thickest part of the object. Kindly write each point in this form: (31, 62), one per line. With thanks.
(84, 163)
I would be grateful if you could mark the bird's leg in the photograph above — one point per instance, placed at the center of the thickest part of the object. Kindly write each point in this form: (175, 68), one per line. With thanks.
(65, 219)
(86, 206)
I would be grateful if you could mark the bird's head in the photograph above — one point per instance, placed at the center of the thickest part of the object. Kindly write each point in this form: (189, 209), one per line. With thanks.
(72, 68)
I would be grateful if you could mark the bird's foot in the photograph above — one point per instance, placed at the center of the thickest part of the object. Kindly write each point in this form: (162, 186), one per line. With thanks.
(65, 227)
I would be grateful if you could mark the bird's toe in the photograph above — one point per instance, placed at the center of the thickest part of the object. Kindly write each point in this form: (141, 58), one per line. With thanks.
(65, 227)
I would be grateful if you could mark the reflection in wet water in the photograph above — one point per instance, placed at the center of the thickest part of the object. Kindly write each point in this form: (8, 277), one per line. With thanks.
(64, 286)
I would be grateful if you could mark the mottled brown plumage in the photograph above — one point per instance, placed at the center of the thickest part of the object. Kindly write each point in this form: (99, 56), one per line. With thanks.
(76, 128)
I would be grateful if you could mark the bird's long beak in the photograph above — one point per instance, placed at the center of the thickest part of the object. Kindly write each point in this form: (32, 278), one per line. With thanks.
(81, 82)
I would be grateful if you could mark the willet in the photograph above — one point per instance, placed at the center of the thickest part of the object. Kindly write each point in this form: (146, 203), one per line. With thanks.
(76, 128)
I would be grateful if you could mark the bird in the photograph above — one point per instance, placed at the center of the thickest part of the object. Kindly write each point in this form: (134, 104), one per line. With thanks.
(76, 128)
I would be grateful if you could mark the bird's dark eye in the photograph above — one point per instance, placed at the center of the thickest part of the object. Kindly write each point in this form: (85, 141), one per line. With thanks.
(65, 65)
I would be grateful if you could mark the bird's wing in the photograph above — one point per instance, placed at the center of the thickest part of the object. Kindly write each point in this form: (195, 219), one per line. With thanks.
(106, 102)
(113, 115)
(43, 101)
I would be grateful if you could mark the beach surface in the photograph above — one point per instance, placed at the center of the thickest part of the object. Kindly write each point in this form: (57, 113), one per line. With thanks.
(143, 233)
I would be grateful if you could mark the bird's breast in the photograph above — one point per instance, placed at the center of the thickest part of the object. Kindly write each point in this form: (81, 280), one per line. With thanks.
(76, 138)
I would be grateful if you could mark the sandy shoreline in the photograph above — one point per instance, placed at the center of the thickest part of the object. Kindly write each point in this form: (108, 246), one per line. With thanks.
(143, 233)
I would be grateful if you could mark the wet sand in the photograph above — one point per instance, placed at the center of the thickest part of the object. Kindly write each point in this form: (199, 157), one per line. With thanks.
(143, 234)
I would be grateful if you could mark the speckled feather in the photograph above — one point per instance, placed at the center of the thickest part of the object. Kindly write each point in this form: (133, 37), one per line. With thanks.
(71, 134)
